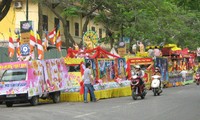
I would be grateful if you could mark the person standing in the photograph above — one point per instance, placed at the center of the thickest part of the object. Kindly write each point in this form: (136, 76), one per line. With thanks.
(88, 83)
(151, 52)
(184, 75)
(157, 52)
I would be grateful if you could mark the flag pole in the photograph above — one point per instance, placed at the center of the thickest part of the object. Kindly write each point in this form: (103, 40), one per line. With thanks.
(61, 53)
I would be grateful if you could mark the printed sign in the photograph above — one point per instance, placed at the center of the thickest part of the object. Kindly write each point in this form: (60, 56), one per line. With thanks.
(25, 38)
(122, 68)
(73, 61)
(122, 51)
(13, 65)
(56, 74)
(106, 69)
(74, 79)
(25, 49)
(25, 26)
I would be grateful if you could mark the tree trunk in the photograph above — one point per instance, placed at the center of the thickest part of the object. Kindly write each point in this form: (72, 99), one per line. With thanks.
(40, 16)
(85, 25)
(109, 33)
(130, 45)
(64, 22)
(67, 35)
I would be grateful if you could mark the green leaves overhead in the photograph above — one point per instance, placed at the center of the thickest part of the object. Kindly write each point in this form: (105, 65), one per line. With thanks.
(169, 21)
(156, 20)
(70, 11)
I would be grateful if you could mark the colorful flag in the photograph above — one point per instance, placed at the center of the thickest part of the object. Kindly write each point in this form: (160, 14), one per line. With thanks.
(45, 43)
(40, 48)
(58, 41)
(18, 46)
(11, 47)
(32, 41)
(52, 36)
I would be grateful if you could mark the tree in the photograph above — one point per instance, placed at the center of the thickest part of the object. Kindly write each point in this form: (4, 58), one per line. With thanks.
(61, 17)
(155, 20)
(158, 21)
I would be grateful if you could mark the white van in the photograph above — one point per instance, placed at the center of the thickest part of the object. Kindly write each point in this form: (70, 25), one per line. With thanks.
(31, 80)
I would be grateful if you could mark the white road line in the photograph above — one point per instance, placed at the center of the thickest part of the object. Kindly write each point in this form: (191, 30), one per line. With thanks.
(87, 114)
(132, 103)
(115, 107)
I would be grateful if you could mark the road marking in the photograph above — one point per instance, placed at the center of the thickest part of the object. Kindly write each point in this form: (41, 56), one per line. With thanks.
(87, 114)
(180, 91)
(115, 107)
(132, 103)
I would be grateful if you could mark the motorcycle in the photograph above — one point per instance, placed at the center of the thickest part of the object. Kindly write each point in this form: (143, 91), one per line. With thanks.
(197, 78)
(137, 88)
(155, 85)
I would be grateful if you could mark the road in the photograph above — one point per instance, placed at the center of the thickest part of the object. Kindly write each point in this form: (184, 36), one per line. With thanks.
(177, 103)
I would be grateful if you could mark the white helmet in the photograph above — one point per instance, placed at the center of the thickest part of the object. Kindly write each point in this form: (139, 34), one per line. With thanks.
(137, 66)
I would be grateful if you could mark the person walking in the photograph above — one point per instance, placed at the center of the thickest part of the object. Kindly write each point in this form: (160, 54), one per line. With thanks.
(88, 83)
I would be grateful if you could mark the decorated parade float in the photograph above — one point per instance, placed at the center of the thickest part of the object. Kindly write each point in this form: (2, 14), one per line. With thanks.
(146, 64)
(178, 60)
(109, 72)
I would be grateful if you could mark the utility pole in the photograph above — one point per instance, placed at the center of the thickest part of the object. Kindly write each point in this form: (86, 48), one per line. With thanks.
(26, 10)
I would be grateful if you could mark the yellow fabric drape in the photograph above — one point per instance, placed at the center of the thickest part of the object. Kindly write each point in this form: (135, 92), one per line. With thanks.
(100, 94)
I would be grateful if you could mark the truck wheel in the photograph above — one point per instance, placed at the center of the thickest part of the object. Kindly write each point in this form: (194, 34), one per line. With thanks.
(56, 97)
(1, 103)
(34, 100)
(9, 104)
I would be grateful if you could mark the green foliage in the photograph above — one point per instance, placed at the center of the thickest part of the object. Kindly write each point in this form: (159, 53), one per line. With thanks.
(70, 11)
(169, 21)
(156, 20)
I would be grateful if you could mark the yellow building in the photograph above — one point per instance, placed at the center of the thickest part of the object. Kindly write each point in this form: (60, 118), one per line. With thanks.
(17, 13)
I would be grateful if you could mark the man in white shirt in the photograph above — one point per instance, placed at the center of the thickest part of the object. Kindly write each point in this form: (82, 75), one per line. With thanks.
(184, 74)
(88, 82)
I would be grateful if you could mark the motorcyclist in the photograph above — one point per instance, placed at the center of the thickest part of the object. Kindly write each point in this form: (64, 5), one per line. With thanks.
(140, 74)
(157, 72)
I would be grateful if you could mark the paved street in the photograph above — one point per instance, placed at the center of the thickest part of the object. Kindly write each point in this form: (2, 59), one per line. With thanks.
(178, 103)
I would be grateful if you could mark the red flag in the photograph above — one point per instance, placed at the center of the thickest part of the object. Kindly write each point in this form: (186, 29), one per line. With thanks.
(52, 36)
(58, 41)
(11, 47)
(40, 48)
(32, 41)
(18, 46)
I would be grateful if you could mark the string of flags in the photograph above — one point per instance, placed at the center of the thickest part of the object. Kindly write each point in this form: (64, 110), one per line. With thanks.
(35, 40)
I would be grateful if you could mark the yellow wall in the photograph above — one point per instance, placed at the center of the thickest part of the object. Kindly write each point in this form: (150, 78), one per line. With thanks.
(6, 23)
(20, 15)
(32, 15)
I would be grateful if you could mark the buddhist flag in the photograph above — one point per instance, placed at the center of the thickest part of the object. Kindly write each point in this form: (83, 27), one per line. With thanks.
(40, 48)
(58, 41)
(11, 47)
(32, 41)
(18, 46)
(52, 36)
(45, 43)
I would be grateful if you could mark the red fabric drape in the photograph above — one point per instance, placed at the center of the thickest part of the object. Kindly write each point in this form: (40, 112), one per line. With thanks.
(128, 69)
(99, 52)
(81, 88)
